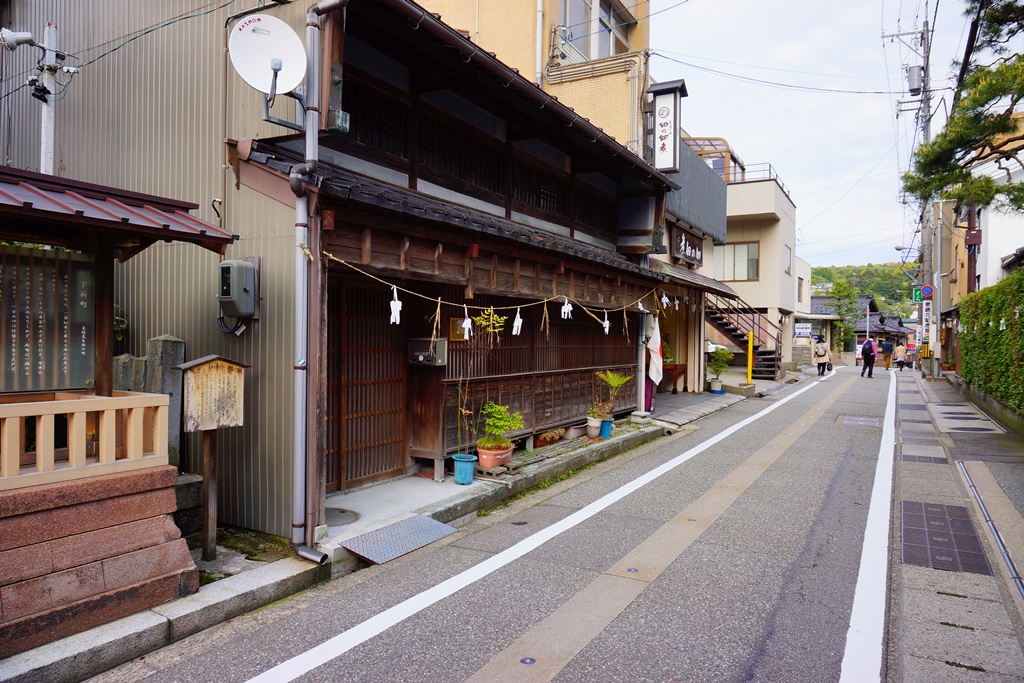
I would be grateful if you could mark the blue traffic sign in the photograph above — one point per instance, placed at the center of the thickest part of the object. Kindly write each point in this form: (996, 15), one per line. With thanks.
(927, 290)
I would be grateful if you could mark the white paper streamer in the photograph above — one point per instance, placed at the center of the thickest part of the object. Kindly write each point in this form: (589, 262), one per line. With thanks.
(396, 307)
(467, 324)
(566, 309)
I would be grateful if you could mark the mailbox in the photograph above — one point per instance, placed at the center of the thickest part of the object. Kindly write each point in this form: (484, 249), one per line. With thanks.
(213, 393)
(419, 351)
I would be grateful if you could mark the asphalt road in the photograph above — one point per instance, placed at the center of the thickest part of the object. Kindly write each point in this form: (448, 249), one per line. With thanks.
(730, 553)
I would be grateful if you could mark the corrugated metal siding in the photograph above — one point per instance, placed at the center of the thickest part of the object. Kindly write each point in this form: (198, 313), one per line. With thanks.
(148, 117)
(171, 289)
(701, 199)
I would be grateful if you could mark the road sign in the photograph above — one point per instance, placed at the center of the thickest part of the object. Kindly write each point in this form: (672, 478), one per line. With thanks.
(918, 298)
(927, 291)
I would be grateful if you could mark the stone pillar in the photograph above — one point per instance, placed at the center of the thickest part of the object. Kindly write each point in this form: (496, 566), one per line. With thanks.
(129, 373)
(163, 353)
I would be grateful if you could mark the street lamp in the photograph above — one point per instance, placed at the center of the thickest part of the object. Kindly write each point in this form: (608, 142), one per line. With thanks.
(10, 40)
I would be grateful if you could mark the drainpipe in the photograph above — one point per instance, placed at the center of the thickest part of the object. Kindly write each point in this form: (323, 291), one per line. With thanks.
(540, 43)
(297, 176)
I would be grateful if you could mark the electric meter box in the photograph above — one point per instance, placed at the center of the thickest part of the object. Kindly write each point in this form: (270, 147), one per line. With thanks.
(419, 352)
(237, 295)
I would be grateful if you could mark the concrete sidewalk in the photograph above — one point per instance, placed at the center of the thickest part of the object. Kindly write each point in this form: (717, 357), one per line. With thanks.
(255, 585)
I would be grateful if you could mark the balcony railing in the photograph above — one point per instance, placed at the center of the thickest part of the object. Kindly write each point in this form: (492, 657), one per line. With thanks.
(752, 173)
(60, 436)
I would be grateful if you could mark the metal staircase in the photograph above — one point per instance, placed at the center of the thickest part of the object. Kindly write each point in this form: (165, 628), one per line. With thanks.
(736, 319)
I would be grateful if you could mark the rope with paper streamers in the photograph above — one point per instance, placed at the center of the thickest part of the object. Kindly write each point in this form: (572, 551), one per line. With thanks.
(545, 320)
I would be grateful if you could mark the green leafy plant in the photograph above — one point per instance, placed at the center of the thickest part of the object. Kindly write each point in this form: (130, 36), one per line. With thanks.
(718, 361)
(614, 381)
(993, 337)
(498, 422)
(120, 324)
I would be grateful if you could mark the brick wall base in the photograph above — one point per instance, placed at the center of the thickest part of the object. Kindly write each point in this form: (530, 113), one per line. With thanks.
(79, 554)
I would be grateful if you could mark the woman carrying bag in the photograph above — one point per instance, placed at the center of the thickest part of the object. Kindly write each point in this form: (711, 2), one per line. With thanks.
(822, 356)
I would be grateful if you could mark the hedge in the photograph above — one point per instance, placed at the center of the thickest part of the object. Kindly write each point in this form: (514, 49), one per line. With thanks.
(992, 340)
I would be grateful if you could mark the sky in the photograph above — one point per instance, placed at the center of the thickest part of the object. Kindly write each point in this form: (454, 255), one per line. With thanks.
(840, 154)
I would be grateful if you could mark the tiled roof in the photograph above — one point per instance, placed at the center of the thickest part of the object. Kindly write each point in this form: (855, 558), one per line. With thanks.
(51, 204)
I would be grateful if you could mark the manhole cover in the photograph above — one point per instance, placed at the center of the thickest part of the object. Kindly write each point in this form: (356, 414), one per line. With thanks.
(859, 420)
(340, 516)
(941, 537)
(925, 459)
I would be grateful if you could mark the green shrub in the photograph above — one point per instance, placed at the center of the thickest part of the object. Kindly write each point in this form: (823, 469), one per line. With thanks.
(498, 422)
(992, 359)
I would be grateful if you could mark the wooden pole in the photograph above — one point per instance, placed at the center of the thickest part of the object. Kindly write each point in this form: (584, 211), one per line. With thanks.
(210, 494)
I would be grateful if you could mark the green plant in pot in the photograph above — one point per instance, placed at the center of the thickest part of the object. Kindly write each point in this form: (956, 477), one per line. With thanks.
(604, 409)
(495, 447)
(718, 361)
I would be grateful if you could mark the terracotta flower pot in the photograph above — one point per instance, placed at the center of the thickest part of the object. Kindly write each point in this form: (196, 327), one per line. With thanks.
(495, 458)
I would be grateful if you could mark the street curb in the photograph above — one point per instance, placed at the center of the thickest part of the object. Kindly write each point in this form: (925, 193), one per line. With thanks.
(99, 649)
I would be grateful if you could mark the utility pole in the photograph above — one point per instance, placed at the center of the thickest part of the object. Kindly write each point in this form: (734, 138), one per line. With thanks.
(48, 81)
(930, 269)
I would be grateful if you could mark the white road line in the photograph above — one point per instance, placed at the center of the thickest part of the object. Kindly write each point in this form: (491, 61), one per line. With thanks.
(304, 662)
(862, 660)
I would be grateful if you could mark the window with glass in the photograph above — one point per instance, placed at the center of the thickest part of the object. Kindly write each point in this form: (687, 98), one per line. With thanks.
(737, 261)
(597, 28)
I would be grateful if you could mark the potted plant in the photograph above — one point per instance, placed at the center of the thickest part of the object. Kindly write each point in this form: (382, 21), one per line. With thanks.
(614, 381)
(495, 447)
(595, 417)
(718, 361)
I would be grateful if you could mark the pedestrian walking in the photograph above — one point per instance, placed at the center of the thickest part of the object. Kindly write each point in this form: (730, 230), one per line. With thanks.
(901, 356)
(867, 352)
(822, 356)
(887, 353)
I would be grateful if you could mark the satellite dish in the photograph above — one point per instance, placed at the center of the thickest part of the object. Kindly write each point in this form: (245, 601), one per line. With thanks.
(262, 46)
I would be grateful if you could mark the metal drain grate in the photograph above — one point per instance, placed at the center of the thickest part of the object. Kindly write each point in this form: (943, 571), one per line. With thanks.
(917, 422)
(912, 406)
(926, 459)
(859, 420)
(941, 537)
(397, 539)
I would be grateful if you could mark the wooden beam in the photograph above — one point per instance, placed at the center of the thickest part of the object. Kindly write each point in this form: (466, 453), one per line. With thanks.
(516, 282)
(103, 352)
(367, 251)
(403, 254)
(437, 258)
(473, 251)
(494, 271)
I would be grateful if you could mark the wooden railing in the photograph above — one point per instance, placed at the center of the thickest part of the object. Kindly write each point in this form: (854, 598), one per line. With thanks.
(59, 436)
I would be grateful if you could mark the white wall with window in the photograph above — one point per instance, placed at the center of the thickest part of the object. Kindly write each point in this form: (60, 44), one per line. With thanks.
(596, 28)
(737, 261)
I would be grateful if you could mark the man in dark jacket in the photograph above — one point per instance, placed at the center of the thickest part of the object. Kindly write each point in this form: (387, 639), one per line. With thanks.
(887, 353)
(867, 352)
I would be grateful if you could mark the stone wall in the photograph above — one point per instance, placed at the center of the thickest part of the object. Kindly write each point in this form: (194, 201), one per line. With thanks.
(78, 554)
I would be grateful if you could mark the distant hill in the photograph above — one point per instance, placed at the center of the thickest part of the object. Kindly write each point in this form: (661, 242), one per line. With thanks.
(889, 283)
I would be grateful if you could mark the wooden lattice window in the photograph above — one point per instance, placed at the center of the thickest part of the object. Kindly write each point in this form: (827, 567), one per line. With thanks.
(544, 190)
(456, 152)
(379, 119)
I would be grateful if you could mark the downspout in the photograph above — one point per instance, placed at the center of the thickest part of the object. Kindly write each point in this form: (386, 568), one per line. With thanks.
(540, 43)
(297, 177)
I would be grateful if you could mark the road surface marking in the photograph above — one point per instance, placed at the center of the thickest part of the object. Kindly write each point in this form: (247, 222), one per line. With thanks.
(862, 659)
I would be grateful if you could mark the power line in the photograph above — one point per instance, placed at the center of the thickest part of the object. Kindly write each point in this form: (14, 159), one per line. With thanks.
(771, 68)
(775, 84)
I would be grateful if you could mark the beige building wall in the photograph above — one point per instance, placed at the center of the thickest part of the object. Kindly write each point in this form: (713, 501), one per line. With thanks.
(608, 92)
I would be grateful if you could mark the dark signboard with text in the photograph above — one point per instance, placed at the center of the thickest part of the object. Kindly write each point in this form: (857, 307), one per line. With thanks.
(48, 313)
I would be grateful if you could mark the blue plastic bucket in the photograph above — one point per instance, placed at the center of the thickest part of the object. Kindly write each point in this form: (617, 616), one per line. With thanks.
(464, 468)
(606, 428)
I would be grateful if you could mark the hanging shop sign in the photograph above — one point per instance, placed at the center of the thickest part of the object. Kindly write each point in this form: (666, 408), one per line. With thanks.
(666, 124)
(687, 247)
